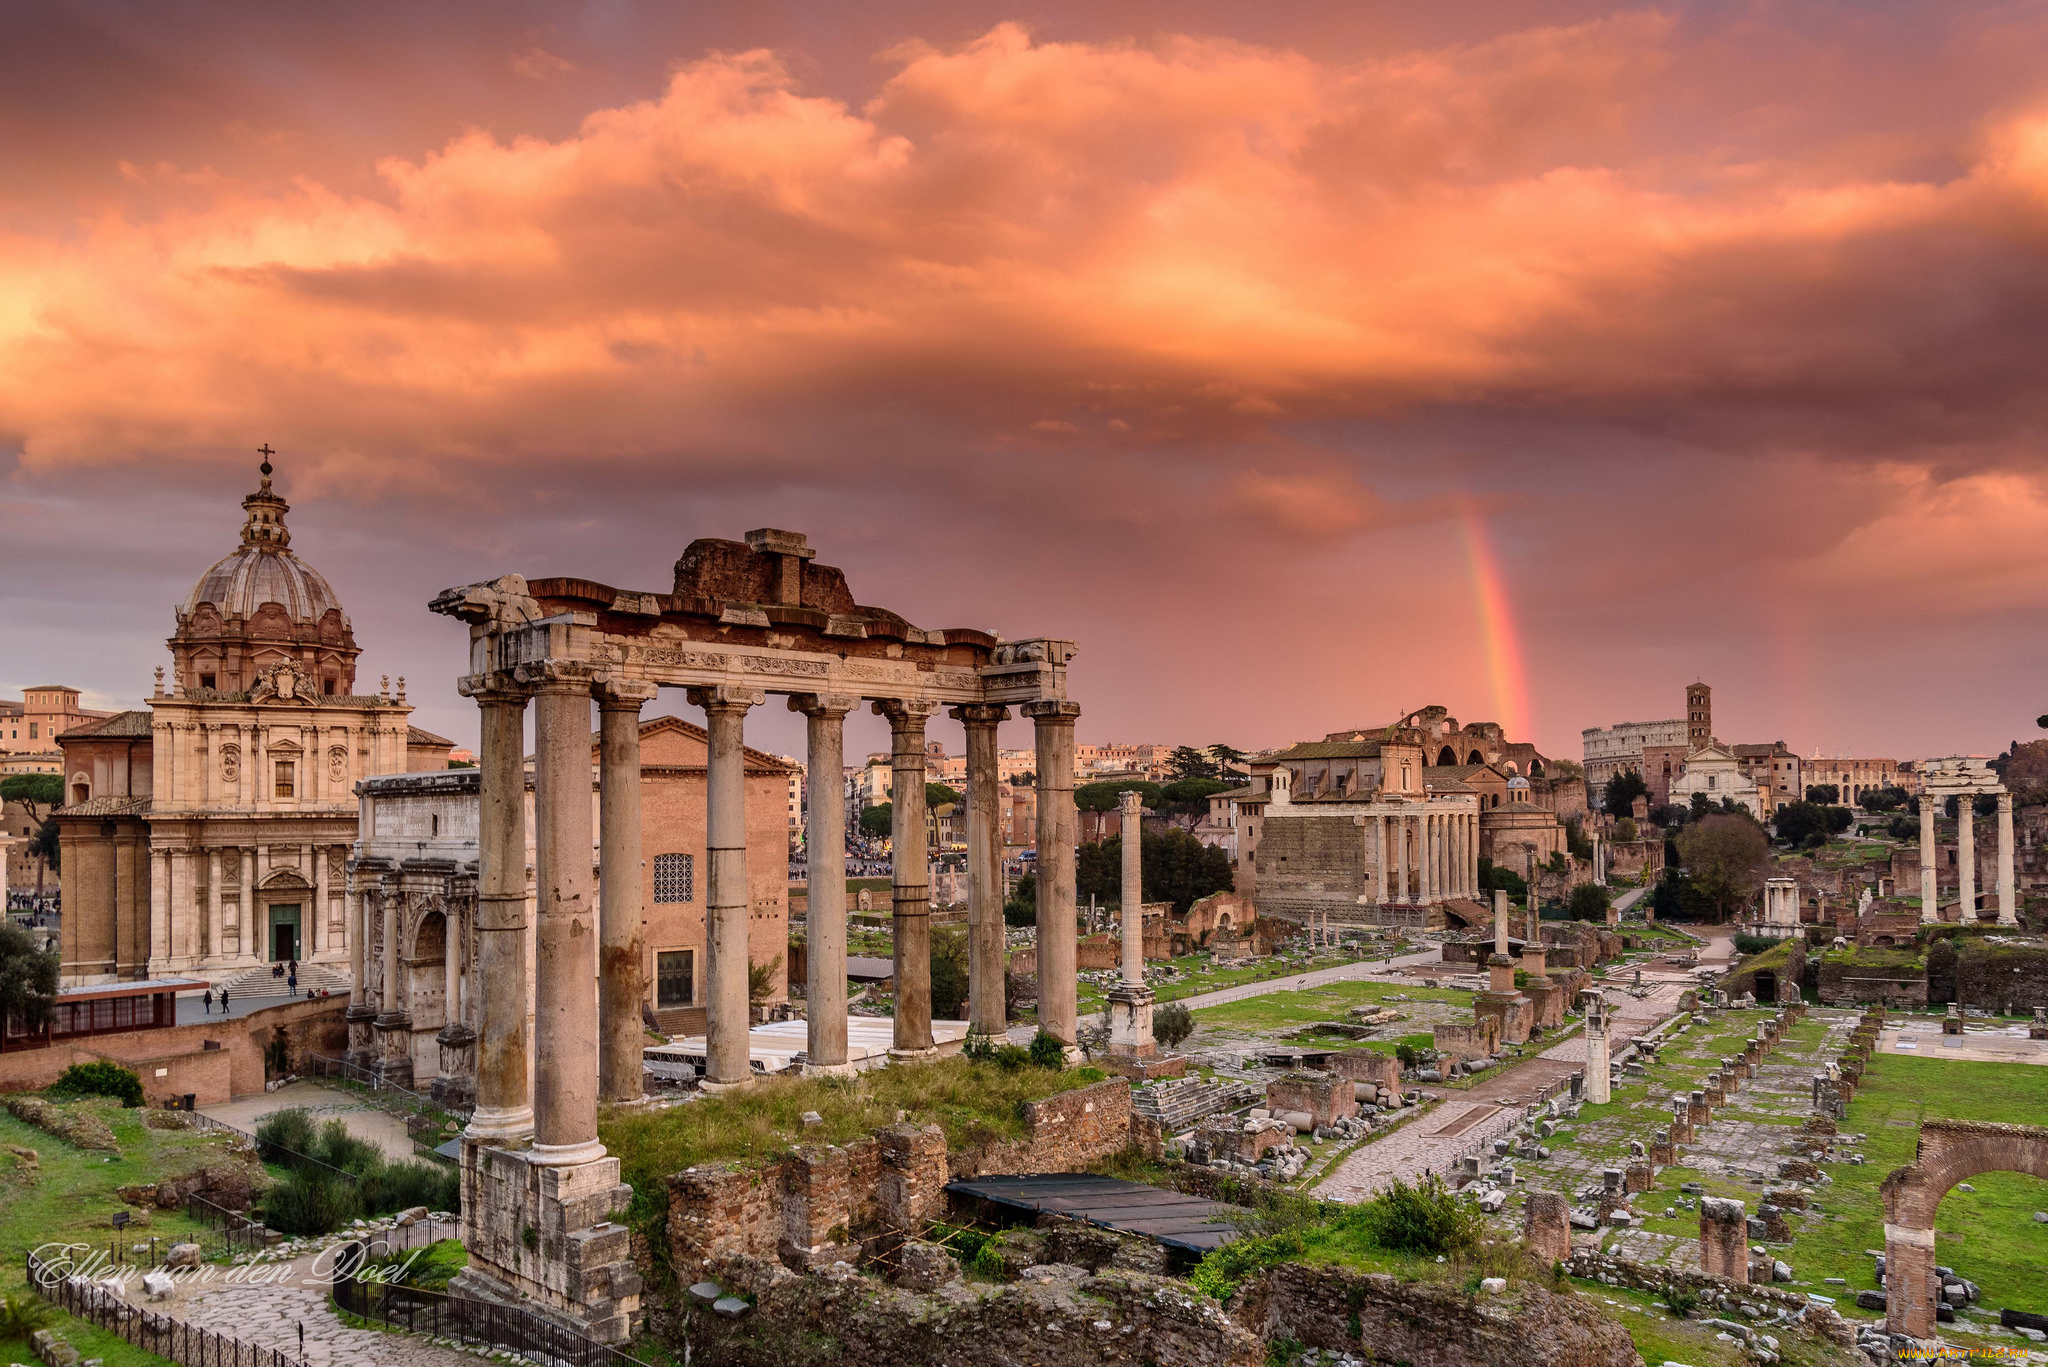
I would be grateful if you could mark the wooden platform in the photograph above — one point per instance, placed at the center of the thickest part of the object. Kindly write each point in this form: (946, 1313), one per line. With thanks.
(1192, 1224)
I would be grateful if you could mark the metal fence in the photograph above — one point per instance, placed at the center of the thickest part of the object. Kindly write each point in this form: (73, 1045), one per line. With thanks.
(485, 1324)
(328, 1069)
(146, 1329)
(237, 1232)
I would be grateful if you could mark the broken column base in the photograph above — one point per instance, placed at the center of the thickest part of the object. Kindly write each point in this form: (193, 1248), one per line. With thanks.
(542, 1237)
(1515, 1013)
(1130, 1023)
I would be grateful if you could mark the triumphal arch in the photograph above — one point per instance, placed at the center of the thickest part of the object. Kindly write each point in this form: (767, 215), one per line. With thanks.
(742, 620)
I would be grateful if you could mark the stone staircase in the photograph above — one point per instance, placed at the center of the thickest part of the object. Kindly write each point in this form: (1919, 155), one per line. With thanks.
(257, 982)
(1184, 1103)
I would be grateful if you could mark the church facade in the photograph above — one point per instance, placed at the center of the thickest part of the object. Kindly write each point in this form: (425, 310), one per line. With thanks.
(207, 835)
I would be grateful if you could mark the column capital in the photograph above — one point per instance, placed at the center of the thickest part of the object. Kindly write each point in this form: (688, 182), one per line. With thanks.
(624, 695)
(1050, 710)
(725, 698)
(557, 676)
(906, 711)
(1130, 802)
(494, 690)
(979, 713)
(832, 705)
(2005, 801)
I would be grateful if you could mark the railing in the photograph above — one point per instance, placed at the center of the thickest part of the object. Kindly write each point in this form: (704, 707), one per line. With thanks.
(327, 1069)
(238, 1232)
(485, 1324)
(146, 1329)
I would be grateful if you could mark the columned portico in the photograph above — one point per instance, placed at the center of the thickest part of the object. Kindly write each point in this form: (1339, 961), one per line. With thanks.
(2008, 905)
(825, 906)
(622, 949)
(726, 1061)
(1058, 985)
(987, 1016)
(504, 1102)
(1966, 855)
(910, 870)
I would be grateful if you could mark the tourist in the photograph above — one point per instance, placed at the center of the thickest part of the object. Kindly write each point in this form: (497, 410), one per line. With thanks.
(208, 999)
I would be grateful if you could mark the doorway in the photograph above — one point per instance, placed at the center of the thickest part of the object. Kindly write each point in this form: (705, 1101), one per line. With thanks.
(284, 933)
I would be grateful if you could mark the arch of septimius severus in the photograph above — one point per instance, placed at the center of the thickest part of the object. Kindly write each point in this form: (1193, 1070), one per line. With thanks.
(741, 621)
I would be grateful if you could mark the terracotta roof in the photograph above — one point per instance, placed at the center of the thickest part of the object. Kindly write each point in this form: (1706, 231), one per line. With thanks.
(106, 806)
(133, 724)
(418, 736)
(1329, 749)
(1233, 793)
(1431, 773)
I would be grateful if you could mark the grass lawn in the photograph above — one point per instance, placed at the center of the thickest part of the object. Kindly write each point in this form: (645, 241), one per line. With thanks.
(1659, 1335)
(1278, 1010)
(1988, 1235)
(68, 1197)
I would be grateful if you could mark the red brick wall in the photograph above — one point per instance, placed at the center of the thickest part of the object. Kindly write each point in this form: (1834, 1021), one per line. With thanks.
(234, 1069)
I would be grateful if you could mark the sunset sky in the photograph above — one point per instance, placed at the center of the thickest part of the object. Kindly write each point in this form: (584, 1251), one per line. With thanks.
(1304, 363)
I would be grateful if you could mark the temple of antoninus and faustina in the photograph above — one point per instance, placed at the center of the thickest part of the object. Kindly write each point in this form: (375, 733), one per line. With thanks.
(741, 621)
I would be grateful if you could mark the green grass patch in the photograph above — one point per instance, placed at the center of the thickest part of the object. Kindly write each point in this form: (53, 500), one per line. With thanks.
(1659, 1335)
(1278, 1010)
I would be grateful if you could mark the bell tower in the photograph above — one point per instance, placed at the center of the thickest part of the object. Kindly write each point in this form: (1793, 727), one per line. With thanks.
(1699, 716)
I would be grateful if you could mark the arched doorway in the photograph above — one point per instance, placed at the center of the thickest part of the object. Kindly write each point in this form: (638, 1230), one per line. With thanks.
(1446, 757)
(427, 981)
(1475, 758)
(1950, 1151)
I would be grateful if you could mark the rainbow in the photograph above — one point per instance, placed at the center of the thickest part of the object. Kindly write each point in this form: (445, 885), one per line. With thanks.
(1496, 627)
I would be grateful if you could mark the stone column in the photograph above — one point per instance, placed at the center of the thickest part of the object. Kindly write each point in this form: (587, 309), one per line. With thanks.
(1597, 1088)
(1500, 921)
(727, 1060)
(451, 968)
(1930, 902)
(504, 1100)
(215, 940)
(1724, 1239)
(825, 905)
(1058, 986)
(359, 1013)
(622, 939)
(2008, 902)
(1130, 809)
(1380, 853)
(1966, 855)
(1425, 862)
(1910, 1283)
(1546, 1226)
(910, 870)
(1401, 860)
(987, 1014)
(316, 915)
(565, 1045)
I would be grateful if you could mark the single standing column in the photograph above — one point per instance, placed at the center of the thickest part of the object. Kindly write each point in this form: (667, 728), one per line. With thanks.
(1058, 985)
(565, 1045)
(825, 863)
(1130, 809)
(987, 1015)
(1500, 921)
(1966, 854)
(1380, 852)
(2007, 901)
(1401, 857)
(504, 1099)
(1597, 1085)
(1930, 901)
(910, 870)
(726, 1057)
(622, 938)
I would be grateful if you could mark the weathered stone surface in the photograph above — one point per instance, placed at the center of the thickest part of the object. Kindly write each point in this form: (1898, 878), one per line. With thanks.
(925, 1266)
(183, 1255)
(1430, 1324)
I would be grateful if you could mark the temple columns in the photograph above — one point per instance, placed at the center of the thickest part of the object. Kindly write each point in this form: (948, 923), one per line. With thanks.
(1058, 983)
(2008, 902)
(1401, 858)
(1930, 901)
(1966, 855)
(214, 935)
(1380, 854)
(622, 940)
(565, 943)
(726, 901)
(504, 1103)
(451, 969)
(910, 872)
(987, 1013)
(359, 1013)
(315, 926)
(825, 906)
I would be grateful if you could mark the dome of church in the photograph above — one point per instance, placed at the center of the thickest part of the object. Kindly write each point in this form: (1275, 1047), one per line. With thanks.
(1518, 783)
(261, 606)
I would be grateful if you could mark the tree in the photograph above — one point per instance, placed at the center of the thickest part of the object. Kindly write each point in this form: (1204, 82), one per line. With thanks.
(875, 821)
(1188, 762)
(1795, 821)
(28, 978)
(1622, 791)
(937, 795)
(1823, 793)
(1886, 799)
(1175, 867)
(1027, 779)
(1492, 875)
(949, 973)
(1172, 1023)
(1625, 830)
(761, 979)
(1020, 909)
(1185, 801)
(39, 795)
(1104, 797)
(1588, 902)
(1229, 759)
(1575, 839)
(1669, 815)
(1725, 857)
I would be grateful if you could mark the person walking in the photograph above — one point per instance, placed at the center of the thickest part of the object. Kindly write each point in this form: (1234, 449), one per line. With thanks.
(223, 1001)
(292, 982)
(208, 999)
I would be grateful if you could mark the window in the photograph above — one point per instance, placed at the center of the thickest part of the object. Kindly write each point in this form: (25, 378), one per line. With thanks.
(34, 728)
(327, 687)
(674, 970)
(206, 681)
(674, 876)
(285, 777)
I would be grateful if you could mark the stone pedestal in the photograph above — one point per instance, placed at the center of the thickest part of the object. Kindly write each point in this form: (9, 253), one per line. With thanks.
(1724, 1239)
(1501, 1003)
(542, 1235)
(1130, 1023)
(394, 1049)
(362, 1040)
(1547, 1227)
(455, 1087)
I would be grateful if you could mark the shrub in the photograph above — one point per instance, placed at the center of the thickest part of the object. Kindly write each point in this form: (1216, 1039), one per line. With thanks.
(1047, 1051)
(1681, 1301)
(1589, 902)
(1746, 943)
(1172, 1023)
(309, 1201)
(987, 1261)
(283, 1135)
(1425, 1218)
(22, 1313)
(99, 1079)
(1011, 1057)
